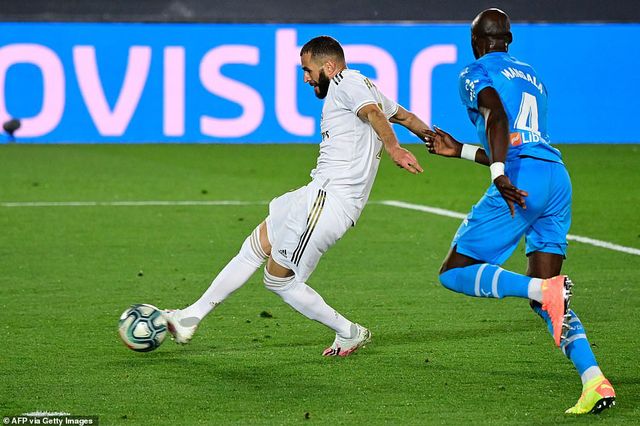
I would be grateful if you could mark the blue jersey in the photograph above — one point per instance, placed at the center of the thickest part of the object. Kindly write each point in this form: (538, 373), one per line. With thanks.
(524, 98)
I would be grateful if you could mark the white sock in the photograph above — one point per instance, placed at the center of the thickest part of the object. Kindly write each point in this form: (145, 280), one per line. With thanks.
(535, 289)
(308, 302)
(590, 373)
(232, 277)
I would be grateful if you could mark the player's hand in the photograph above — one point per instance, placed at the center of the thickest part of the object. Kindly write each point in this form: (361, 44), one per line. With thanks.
(405, 159)
(510, 193)
(441, 143)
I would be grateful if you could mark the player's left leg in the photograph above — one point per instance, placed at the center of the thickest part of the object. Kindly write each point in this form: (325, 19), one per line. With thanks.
(597, 392)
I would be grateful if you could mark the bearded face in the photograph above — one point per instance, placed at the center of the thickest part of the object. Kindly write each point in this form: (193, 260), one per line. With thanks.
(322, 86)
(315, 76)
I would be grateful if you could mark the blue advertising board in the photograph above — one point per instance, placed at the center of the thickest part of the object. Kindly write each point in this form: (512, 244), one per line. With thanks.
(242, 83)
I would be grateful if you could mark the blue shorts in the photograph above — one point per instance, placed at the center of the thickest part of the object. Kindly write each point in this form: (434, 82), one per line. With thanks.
(490, 234)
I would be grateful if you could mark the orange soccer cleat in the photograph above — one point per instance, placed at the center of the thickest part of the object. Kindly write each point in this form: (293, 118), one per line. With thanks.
(556, 295)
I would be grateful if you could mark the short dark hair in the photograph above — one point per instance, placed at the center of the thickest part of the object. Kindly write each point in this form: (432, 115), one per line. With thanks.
(323, 46)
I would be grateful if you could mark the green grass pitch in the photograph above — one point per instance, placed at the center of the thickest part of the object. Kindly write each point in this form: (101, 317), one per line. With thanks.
(66, 274)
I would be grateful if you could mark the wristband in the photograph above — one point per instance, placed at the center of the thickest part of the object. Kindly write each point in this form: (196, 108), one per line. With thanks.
(469, 152)
(497, 169)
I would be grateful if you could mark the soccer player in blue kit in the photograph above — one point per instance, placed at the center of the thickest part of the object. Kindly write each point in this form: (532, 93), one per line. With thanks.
(530, 195)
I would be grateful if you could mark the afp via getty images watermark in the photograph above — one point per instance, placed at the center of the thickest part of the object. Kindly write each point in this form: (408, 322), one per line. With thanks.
(46, 418)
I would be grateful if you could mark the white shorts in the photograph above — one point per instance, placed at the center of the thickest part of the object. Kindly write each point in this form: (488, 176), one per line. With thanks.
(302, 225)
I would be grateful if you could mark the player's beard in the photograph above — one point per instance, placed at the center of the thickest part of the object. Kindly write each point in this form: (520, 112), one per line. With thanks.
(323, 85)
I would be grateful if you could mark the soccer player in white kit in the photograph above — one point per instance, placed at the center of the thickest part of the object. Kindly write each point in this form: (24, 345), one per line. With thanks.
(304, 223)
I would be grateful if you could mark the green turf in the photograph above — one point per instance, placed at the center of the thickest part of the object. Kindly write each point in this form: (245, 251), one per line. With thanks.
(66, 274)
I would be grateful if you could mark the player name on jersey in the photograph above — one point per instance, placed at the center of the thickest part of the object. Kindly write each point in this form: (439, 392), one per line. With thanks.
(516, 73)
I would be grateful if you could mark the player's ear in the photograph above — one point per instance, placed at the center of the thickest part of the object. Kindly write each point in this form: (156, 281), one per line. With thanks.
(509, 38)
(330, 66)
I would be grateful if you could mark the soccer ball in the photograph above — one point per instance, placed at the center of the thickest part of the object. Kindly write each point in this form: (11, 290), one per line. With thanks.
(142, 327)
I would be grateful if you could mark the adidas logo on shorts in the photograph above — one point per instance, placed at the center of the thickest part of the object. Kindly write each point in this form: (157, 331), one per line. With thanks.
(283, 252)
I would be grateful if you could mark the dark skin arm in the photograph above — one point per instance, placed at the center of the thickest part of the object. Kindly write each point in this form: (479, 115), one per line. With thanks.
(497, 128)
(497, 124)
(442, 143)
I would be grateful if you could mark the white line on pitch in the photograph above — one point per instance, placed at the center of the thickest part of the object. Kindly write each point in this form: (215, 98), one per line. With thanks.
(132, 203)
(426, 209)
(450, 213)
(393, 203)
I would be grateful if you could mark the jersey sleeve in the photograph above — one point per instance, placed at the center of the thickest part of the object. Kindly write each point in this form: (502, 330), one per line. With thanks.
(389, 107)
(473, 79)
(355, 92)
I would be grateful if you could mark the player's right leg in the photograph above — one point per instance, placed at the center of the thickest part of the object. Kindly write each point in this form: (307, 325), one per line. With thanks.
(182, 323)
(597, 392)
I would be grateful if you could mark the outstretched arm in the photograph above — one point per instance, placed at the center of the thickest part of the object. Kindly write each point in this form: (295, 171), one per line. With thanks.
(403, 158)
(437, 141)
(410, 121)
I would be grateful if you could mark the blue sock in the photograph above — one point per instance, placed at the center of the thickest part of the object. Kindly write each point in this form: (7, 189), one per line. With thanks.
(576, 346)
(484, 280)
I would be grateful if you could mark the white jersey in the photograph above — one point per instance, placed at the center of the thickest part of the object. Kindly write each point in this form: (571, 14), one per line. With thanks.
(350, 150)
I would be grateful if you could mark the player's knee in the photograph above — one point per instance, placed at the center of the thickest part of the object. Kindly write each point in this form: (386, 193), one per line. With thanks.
(277, 284)
(449, 279)
(251, 251)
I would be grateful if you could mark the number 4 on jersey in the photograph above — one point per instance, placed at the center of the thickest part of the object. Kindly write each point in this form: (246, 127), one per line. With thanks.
(528, 115)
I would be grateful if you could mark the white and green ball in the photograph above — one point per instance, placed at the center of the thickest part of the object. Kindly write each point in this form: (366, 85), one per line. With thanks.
(142, 327)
